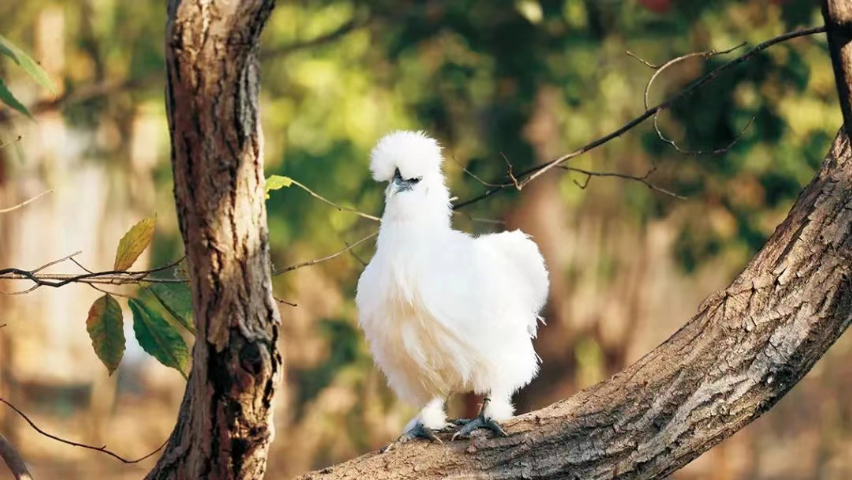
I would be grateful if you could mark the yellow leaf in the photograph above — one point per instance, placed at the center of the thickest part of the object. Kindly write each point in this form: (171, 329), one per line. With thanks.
(277, 182)
(134, 242)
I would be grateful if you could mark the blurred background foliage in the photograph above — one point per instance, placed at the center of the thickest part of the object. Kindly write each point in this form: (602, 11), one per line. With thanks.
(523, 80)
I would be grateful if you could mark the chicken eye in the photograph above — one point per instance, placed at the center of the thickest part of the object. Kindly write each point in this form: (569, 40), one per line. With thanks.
(415, 180)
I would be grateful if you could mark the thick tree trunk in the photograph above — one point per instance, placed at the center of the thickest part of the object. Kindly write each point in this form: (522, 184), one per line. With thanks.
(224, 426)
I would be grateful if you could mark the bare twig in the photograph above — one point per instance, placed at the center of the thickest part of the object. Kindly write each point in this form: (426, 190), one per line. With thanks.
(95, 287)
(717, 151)
(643, 179)
(510, 172)
(335, 34)
(6, 144)
(285, 302)
(647, 63)
(338, 207)
(110, 277)
(26, 202)
(54, 262)
(80, 264)
(659, 70)
(355, 254)
(102, 449)
(13, 460)
(326, 258)
(531, 174)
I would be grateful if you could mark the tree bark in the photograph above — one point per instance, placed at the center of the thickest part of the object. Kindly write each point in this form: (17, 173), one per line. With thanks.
(225, 422)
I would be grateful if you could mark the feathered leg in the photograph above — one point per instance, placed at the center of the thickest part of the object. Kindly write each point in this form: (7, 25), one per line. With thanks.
(493, 410)
(430, 420)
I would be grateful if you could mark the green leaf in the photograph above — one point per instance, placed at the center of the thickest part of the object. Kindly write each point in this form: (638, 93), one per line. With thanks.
(9, 99)
(158, 337)
(176, 298)
(134, 242)
(277, 182)
(27, 63)
(106, 329)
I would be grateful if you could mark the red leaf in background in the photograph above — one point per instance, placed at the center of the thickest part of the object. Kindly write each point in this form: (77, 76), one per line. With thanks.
(657, 6)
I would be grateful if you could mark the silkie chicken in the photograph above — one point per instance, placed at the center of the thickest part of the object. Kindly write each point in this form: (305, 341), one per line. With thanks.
(442, 311)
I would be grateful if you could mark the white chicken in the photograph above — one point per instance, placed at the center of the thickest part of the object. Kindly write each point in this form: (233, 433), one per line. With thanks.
(442, 311)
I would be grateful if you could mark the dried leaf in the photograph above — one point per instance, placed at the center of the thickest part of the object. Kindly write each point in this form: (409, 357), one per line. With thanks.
(134, 242)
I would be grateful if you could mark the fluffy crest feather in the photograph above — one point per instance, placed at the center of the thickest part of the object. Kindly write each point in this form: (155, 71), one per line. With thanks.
(414, 153)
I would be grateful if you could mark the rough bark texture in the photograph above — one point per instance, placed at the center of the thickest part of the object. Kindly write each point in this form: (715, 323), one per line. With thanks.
(224, 426)
(747, 346)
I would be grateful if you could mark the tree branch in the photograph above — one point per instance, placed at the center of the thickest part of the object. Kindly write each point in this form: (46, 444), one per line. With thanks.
(109, 277)
(524, 178)
(643, 179)
(13, 460)
(102, 449)
(25, 203)
(341, 31)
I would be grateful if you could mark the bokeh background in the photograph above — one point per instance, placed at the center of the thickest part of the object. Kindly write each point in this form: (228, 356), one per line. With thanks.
(529, 80)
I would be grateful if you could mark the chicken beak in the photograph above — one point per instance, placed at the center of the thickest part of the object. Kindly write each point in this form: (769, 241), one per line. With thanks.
(398, 185)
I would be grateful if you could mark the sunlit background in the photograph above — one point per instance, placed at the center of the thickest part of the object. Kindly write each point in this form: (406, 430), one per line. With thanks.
(523, 81)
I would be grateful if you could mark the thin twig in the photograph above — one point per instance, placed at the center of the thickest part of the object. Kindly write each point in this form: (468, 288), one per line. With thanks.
(335, 34)
(285, 302)
(25, 202)
(510, 173)
(80, 265)
(54, 262)
(17, 139)
(643, 179)
(338, 207)
(102, 290)
(13, 460)
(326, 258)
(532, 173)
(697, 153)
(95, 286)
(647, 63)
(355, 255)
(475, 176)
(110, 277)
(659, 70)
(102, 449)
